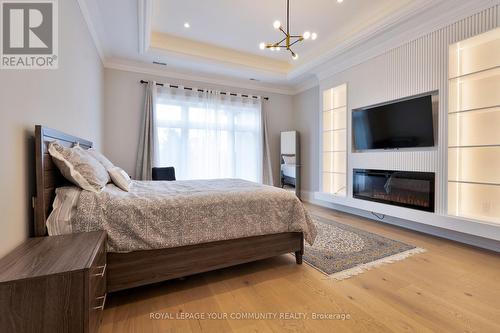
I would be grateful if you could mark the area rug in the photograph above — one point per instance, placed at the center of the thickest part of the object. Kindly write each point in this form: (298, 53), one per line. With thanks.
(341, 251)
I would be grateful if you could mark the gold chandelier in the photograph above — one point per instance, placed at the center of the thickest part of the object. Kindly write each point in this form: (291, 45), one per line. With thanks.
(289, 40)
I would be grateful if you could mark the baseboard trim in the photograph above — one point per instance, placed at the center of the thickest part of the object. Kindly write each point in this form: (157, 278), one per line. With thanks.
(484, 243)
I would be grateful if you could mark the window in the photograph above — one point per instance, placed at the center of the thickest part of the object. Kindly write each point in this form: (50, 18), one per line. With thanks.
(334, 139)
(208, 135)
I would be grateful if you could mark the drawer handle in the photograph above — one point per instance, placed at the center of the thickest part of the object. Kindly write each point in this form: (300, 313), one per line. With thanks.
(103, 270)
(100, 307)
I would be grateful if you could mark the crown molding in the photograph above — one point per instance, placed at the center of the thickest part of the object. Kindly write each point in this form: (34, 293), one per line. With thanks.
(390, 33)
(136, 67)
(201, 51)
(362, 51)
(144, 20)
(359, 38)
(145, 8)
(84, 9)
(306, 84)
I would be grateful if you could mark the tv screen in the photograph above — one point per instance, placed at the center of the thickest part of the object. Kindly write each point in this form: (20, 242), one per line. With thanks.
(402, 124)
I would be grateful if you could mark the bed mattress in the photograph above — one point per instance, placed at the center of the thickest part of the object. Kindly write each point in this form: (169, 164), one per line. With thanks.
(288, 170)
(157, 214)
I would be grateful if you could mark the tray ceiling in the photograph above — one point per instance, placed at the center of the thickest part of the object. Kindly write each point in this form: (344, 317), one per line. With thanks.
(224, 35)
(242, 25)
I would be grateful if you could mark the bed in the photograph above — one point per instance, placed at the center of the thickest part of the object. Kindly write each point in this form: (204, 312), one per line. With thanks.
(153, 261)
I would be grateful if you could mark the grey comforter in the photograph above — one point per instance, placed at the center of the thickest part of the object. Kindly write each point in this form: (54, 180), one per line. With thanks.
(157, 215)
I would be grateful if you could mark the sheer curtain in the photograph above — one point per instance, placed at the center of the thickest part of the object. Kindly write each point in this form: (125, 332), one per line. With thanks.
(207, 135)
(145, 153)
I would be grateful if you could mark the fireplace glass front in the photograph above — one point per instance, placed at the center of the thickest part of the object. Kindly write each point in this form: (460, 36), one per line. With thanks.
(400, 188)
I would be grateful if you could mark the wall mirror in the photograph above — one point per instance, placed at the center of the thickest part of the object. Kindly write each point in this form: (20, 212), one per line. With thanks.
(290, 162)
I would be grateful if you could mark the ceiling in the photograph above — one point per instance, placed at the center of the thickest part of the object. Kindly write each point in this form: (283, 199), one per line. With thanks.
(224, 35)
(242, 25)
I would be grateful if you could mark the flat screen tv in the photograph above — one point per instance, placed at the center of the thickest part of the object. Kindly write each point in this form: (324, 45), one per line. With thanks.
(400, 124)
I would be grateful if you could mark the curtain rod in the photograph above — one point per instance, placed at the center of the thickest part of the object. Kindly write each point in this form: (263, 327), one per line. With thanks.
(203, 90)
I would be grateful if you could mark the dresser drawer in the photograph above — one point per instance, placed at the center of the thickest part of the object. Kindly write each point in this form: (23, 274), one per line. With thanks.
(97, 273)
(52, 284)
(97, 288)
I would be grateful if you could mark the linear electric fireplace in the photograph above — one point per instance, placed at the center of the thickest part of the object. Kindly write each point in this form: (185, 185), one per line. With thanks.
(400, 188)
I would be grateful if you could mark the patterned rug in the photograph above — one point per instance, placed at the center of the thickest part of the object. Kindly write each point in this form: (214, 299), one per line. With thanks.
(341, 251)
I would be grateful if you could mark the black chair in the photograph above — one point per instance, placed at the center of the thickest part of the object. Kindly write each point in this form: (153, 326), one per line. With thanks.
(167, 173)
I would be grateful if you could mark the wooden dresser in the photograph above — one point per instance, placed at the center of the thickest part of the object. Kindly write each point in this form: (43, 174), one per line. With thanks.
(54, 284)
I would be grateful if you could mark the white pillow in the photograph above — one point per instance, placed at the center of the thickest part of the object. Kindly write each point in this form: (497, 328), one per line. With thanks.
(120, 178)
(107, 164)
(64, 208)
(79, 167)
(289, 159)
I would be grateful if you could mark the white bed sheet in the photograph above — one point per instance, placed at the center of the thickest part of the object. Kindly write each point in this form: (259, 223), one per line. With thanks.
(289, 170)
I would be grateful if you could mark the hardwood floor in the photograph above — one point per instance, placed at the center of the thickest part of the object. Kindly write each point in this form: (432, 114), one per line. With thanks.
(450, 288)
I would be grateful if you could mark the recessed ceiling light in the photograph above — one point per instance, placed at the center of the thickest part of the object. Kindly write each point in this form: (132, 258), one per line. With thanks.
(187, 25)
(340, 1)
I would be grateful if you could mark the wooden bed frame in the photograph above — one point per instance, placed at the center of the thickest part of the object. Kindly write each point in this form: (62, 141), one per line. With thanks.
(127, 270)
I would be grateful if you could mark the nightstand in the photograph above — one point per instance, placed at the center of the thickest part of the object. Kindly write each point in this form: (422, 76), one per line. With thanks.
(54, 284)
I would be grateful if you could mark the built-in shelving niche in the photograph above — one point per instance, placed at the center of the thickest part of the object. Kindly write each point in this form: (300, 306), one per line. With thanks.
(334, 141)
(474, 128)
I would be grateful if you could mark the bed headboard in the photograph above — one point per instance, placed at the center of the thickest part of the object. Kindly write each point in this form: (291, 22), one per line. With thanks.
(48, 177)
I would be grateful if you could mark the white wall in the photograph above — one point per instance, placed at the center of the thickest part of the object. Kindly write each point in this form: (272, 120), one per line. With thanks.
(417, 66)
(124, 98)
(306, 118)
(68, 99)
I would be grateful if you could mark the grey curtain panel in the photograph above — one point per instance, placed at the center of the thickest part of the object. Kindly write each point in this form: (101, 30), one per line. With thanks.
(145, 154)
(267, 171)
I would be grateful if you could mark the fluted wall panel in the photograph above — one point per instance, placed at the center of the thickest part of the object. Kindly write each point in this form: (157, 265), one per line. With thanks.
(418, 66)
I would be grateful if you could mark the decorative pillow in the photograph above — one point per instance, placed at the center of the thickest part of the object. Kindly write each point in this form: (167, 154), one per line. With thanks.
(289, 159)
(79, 167)
(107, 164)
(120, 178)
(64, 208)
